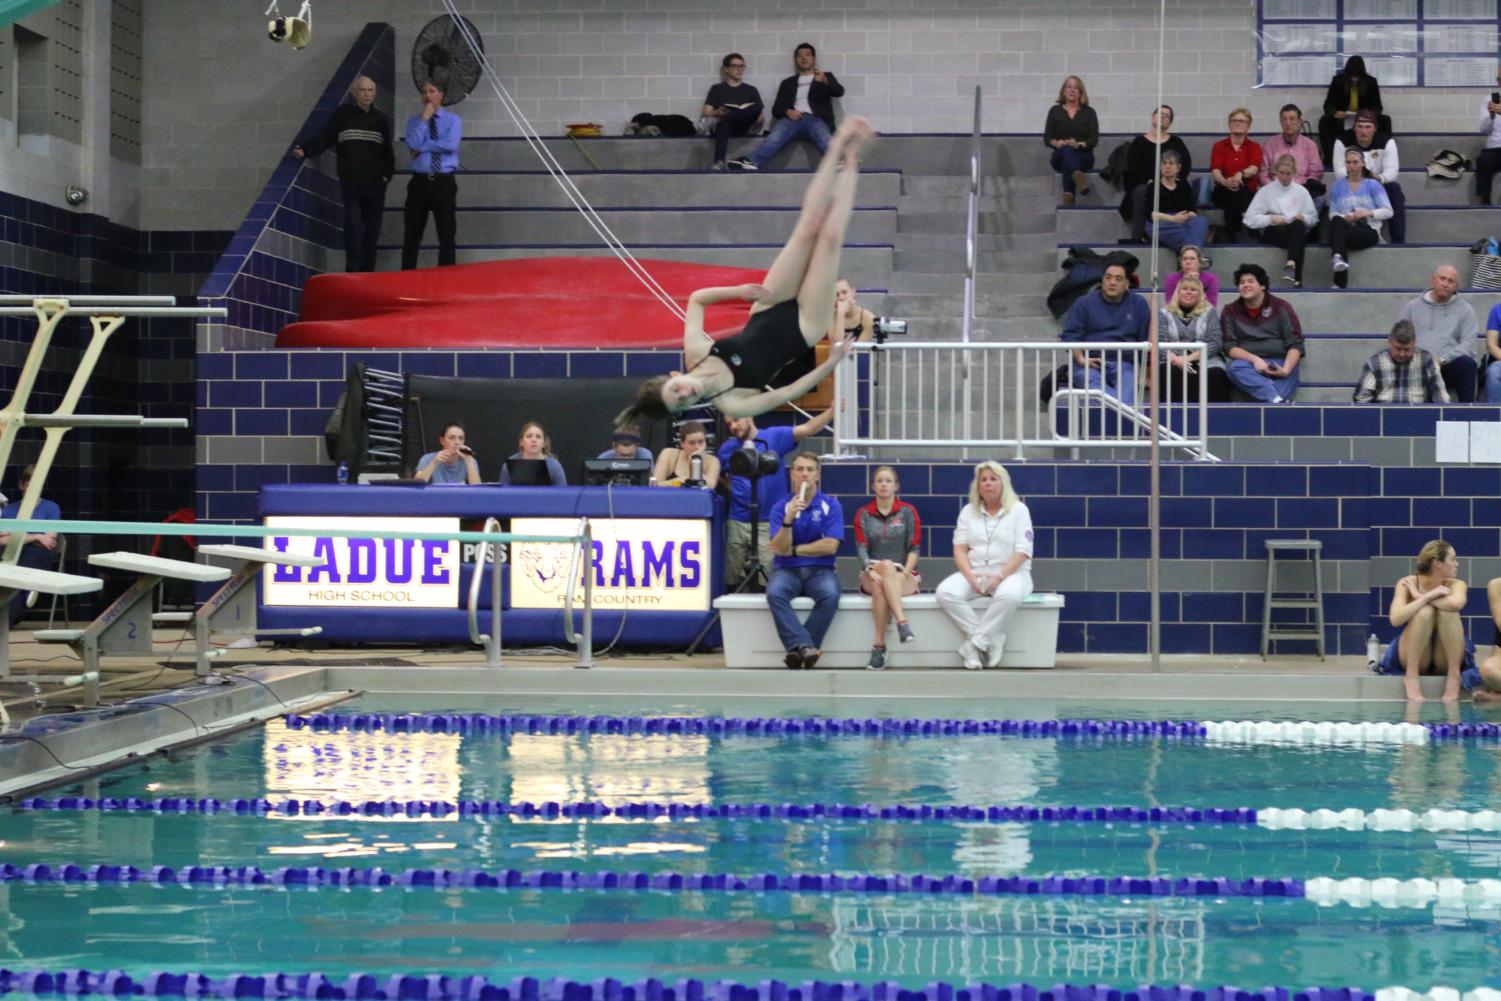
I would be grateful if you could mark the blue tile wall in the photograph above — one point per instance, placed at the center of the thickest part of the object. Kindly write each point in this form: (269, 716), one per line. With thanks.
(1082, 511)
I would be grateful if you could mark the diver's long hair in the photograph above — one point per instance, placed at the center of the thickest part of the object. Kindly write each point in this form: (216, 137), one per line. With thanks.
(648, 404)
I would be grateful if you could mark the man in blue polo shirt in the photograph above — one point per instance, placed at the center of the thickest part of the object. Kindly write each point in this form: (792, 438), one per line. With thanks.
(809, 526)
(40, 550)
(769, 489)
(1109, 314)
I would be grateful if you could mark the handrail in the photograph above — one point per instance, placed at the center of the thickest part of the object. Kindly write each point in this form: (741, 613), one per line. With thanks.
(585, 640)
(908, 395)
(491, 640)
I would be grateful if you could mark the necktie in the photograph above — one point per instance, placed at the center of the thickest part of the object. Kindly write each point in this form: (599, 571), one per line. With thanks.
(432, 131)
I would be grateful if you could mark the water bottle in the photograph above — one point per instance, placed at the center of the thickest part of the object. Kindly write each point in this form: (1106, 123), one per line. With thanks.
(696, 469)
(342, 473)
(1372, 652)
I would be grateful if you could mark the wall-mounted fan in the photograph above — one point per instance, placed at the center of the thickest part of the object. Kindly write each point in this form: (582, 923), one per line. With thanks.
(442, 53)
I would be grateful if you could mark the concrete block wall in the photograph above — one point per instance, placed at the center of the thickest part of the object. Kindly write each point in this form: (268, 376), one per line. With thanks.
(295, 228)
(261, 413)
(220, 112)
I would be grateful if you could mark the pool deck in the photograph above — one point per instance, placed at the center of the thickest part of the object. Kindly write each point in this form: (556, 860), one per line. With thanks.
(399, 669)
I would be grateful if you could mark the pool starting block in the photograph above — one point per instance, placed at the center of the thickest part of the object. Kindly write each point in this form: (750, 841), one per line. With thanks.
(125, 626)
(18, 579)
(230, 611)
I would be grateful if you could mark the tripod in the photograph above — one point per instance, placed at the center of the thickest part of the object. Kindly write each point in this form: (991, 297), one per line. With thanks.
(752, 573)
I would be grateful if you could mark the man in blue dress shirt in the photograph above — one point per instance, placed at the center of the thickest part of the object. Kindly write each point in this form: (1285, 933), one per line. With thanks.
(809, 526)
(433, 137)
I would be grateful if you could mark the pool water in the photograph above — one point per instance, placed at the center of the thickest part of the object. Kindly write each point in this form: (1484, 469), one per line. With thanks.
(751, 936)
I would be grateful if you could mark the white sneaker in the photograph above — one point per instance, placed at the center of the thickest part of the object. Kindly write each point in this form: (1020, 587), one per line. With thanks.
(1278, 399)
(1339, 264)
(970, 655)
(996, 652)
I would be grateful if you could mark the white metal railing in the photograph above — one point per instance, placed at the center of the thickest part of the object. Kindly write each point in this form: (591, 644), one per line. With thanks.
(987, 395)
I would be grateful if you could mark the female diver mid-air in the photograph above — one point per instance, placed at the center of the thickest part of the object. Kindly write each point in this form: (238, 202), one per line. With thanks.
(790, 312)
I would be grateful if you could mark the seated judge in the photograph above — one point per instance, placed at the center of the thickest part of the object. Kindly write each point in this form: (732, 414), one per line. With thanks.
(453, 462)
(625, 443)
(534, 445)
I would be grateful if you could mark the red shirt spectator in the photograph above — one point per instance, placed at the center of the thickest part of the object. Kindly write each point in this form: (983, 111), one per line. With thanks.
(1228, 160)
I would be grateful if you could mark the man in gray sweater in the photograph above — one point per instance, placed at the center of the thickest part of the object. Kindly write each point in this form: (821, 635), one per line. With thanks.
(1448, 330)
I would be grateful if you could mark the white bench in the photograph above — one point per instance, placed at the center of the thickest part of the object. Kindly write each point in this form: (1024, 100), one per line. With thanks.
(750, 636)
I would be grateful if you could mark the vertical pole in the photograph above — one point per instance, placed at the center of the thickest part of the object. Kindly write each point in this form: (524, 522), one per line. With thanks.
(492, 655)
(586, 638)
(1154, 501)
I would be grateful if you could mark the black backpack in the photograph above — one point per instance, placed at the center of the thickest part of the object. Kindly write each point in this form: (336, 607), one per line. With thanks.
(670, 126)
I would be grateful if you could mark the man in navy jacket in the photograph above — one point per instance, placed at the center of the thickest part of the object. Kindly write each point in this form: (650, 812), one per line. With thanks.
(1108, 314)
(804, 108)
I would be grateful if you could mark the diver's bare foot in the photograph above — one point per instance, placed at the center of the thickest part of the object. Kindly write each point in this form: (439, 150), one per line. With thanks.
(856, 132)
(1485, 695)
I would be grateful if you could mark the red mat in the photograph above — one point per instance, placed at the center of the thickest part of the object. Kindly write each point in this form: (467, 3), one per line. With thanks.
(546, 302)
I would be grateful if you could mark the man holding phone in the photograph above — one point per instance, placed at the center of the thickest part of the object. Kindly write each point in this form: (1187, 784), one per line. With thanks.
(1489, 161)
(804, 108)
(809, 528)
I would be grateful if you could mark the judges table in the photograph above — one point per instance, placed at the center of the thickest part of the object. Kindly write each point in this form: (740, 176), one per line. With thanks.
(657, 563)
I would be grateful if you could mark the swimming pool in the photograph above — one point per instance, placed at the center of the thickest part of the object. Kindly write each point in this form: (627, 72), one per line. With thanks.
(1120, 939)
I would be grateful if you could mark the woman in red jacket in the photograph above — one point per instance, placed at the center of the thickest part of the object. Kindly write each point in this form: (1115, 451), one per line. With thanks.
(1235, 166)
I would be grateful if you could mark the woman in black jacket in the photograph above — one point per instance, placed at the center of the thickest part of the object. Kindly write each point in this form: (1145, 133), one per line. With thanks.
(1141, 168)
(1349, 90)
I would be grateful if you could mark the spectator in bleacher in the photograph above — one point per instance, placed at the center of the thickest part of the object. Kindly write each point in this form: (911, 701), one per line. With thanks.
(433, 137)
(1426, 608)
(1072, 131)
(675, 465)
(453, 462)
(1489, 160)
(1187, 317)
(1447, 329)
(1349, 91)
(1283, 215)
(1235, 166)
(888, 535)
(851, 320)
(361, 133)
(1141, 168)
(1492, 355)
(1379, 151)
(1308, 160)
(1175, 220)
(534, 444)
(769, 489)
(1108, 314)
(993, 554)
(809, 527)
(733, 105)
(1403, 373)
(804, 109)
(625, 443)
(1191, 261)
(38, 549)
(1357, 206)
(1489, 689)
(1262, 338)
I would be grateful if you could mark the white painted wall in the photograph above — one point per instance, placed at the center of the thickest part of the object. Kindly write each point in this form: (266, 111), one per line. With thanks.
(222, 102)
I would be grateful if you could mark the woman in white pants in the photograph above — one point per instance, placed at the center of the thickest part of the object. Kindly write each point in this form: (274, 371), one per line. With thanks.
(993, 551)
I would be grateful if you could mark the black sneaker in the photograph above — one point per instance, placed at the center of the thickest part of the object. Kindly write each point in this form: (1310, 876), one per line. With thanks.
(877, 659)
(904, 632)
(809, 656)
(742, 164)
(794, 659)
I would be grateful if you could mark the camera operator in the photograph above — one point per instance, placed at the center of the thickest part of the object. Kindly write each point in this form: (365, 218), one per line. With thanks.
(781, 441)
